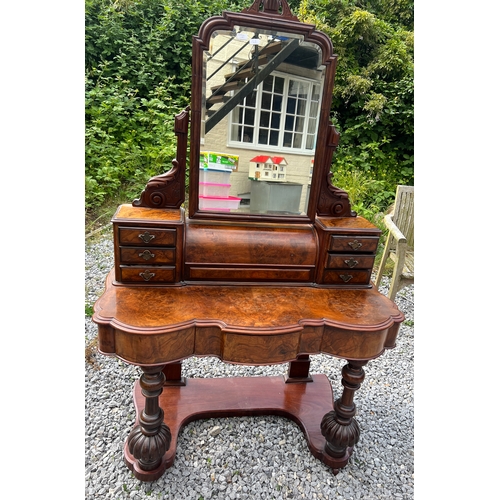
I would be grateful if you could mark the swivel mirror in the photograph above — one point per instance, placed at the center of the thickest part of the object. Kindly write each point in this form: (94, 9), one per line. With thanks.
(261, 140)
(259, 81)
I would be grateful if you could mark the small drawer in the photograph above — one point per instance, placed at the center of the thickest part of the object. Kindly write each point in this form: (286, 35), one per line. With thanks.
(147, 274)
(349, 261)
(143, 236)
(361, 244)
(249, 274)
(347, 277)
(138, 255)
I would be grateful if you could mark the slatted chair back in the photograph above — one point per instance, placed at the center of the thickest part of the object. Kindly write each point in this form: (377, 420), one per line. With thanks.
(403, 212)
(399, 245)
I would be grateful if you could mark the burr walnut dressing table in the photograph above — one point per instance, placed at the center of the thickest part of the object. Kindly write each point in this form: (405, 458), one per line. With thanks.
(248, 285)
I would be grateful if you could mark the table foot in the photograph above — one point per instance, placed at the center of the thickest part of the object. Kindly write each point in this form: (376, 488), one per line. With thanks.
(141, 474)
(303, 403)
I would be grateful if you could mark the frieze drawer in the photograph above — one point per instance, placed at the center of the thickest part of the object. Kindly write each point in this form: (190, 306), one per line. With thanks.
(135, 274)
(347, 277)
(353, 244)
(150, 237)
(141, 255)
(352, 261)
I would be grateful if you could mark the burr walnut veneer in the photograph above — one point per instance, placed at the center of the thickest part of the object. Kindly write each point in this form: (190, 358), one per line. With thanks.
(245, 287)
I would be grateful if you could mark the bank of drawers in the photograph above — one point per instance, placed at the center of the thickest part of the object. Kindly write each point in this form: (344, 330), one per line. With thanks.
(146, 255)
(349, 260)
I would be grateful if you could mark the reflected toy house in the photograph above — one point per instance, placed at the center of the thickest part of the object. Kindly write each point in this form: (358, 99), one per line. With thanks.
(267, 168)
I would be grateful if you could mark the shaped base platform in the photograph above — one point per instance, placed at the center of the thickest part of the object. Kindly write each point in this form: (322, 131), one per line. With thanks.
(303, 403)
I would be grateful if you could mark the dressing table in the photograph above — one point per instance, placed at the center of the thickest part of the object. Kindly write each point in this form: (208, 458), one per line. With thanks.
(249, 284)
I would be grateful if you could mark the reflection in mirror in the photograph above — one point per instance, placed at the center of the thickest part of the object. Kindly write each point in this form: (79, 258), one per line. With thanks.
(260, 114)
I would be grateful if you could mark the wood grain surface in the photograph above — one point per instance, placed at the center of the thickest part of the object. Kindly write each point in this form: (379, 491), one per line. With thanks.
(243, 324)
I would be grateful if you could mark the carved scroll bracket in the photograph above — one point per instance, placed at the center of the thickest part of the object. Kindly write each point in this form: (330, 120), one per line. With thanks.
(168, 190)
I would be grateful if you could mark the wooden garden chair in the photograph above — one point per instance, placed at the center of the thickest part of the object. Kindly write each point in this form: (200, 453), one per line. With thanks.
(399, 243)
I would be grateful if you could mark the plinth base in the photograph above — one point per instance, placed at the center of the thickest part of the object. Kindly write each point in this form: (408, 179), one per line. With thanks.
(303, 403)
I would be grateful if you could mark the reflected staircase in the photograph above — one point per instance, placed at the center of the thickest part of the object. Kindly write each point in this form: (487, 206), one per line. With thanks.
(246, 78)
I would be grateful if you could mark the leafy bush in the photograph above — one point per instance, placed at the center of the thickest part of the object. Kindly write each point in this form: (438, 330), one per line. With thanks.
(145, 41)
(128, 138)
(137, 78)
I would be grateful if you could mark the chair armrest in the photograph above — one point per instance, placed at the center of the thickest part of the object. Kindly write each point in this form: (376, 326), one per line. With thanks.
(393, 229)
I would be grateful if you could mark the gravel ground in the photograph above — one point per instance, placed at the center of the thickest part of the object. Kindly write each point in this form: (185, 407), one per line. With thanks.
(251, 457)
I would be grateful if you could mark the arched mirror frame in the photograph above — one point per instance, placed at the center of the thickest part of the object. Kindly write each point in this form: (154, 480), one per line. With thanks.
(271, 15)
(325, 200)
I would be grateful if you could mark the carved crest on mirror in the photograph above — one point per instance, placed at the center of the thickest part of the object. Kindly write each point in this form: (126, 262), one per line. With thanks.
(272, 8)
(261, 140)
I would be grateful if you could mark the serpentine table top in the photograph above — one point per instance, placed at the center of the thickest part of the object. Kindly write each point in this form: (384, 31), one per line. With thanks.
(243, 324)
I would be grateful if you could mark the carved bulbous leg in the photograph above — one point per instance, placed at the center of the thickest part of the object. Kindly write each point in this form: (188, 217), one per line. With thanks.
(150, 439)
(339, 426)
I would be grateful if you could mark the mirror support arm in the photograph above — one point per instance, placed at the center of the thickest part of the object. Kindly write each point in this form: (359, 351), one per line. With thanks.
(333, 201)
(169, 190)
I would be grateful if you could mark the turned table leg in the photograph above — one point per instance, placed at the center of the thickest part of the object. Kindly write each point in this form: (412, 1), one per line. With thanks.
(173, 374)
(150, 439)
(298, 370)
(339, 427)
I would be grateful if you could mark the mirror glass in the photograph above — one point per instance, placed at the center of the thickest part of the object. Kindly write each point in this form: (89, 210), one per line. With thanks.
(261, 96)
